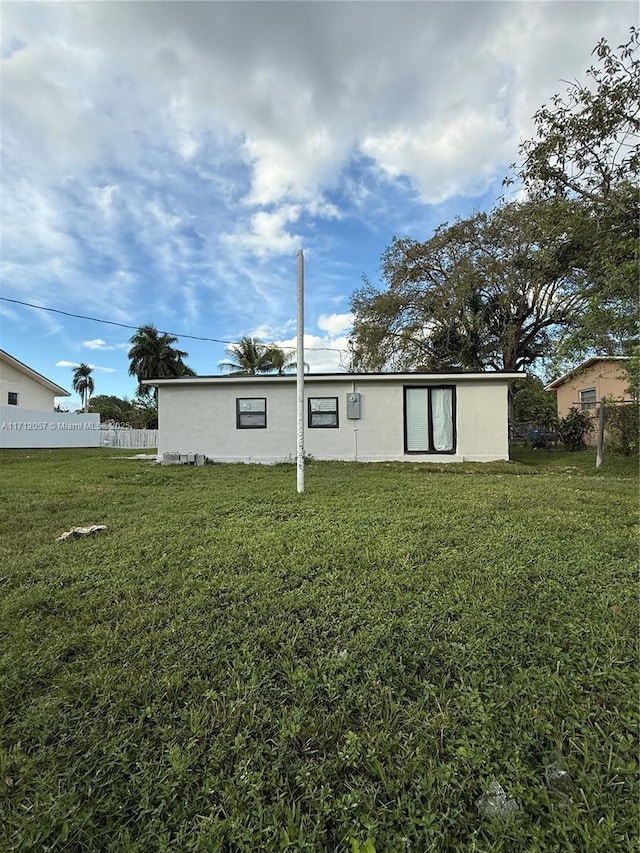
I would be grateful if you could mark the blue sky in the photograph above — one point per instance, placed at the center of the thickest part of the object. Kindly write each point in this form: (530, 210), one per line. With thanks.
(162, 162)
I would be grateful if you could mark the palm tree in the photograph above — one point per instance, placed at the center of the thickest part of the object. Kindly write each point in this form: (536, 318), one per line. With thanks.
(83, 384)
(246, 358)
(153, 356)
(249, 357)
(279, 360)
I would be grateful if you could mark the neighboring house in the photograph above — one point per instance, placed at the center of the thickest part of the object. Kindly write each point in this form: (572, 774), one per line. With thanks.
(21, 386)
(585, 385)
(448, 417)
(27, 411)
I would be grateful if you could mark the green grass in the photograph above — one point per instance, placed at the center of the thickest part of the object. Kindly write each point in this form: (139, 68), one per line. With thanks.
(231, 666)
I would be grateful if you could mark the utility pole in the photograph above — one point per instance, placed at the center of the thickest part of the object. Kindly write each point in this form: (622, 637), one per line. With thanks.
(300, 375)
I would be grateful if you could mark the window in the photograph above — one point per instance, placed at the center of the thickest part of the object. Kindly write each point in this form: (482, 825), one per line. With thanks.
(588, 398)
(12, 398)
(323, 412)
(251, 413)
(430, 419)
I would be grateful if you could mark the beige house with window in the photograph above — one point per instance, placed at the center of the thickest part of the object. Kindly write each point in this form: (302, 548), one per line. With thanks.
(585, 385)
(436, 417)
(26, 388)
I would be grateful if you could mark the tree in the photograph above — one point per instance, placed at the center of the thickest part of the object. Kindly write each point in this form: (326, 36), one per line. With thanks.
(111, 408)
(587, 141)
(491, 291)
(532, 404)
(153, 356)
(250, 357)
(587, 148)
(83, 383)
(144, 413)
(632, 369)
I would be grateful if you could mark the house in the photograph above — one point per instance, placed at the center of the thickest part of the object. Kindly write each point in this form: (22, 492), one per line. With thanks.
(447, 417)
(27, 411)
(585, 385)
(21, 386)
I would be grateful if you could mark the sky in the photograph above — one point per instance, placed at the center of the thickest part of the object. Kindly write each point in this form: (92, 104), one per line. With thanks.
(163, 162)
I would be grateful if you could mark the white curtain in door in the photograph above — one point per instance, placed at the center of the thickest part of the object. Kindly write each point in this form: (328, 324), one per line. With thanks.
(442, 418)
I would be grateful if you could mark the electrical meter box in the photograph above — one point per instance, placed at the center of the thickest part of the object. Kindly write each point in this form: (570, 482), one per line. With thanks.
(353, 406)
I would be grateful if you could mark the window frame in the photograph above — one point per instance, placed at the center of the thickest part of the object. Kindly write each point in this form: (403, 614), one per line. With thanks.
(589, 405)
(310, 414)
(239, 424)
(454, 431)
(11, 402)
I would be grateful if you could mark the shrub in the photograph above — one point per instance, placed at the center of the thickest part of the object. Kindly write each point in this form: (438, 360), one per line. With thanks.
(572, 429)
(622, 427)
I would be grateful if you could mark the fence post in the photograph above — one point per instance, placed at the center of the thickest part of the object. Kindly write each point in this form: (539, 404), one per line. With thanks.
(600, 432)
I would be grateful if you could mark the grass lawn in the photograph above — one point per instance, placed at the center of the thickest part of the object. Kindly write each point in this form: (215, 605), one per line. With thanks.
(231, 666)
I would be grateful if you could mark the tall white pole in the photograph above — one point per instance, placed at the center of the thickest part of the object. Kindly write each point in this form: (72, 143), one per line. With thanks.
(300, 375)
(600, 444)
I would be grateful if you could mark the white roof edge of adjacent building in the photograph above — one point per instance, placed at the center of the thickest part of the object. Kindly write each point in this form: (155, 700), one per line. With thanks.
(33, 374)
(582, 366)
(334, 377)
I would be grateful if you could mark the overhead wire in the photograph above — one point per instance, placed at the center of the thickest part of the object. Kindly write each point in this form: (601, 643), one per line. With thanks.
(161, 331)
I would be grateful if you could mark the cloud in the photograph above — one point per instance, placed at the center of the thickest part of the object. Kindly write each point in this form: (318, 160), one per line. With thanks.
(74, 364)
(323, 354)
(100, 344)
(335, 323)
(268, 234)
(410, 85)
(166, 160)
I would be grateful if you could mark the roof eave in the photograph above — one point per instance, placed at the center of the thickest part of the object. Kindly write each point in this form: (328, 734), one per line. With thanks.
(552, 386)
(33, 374)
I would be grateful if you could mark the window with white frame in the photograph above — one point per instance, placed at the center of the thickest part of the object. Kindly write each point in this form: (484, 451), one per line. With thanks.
(251, 413)
(323, 412)
(588, 398)
(430, 419)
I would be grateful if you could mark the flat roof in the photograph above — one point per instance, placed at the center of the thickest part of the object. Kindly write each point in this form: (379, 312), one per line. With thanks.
(218, 379)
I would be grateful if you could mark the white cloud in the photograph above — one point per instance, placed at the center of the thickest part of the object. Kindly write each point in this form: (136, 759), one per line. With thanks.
(440, 159)
(167, 160)
(422, 88)
(74, 364)
(100, 344)
(329, 354)
(335, 323)
(104, 197)
(268, 333)
(268, 233)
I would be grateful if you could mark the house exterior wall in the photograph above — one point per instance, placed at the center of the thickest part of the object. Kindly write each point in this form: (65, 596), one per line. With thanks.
(608, 378)
(202, 419)
(31, 394)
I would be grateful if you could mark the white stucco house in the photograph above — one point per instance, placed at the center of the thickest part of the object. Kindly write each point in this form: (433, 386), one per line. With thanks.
(26, 388)
(437, 417)
(27, 411)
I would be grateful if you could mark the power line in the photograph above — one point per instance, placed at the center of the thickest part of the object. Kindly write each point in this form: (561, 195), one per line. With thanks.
(161, 331)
